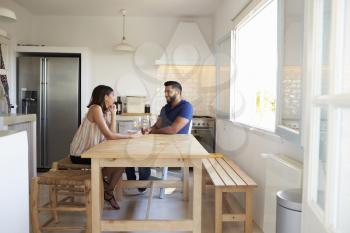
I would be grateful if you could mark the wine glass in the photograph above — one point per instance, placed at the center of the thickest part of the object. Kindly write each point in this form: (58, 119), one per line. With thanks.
(137, 123)
(145, 124)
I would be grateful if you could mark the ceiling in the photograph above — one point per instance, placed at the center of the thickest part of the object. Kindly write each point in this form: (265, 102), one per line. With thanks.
(156, 8)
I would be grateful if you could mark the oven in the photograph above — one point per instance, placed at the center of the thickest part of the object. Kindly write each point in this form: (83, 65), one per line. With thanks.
(203, 129)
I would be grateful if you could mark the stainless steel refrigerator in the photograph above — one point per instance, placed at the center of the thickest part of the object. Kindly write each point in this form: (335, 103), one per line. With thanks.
(50, 88)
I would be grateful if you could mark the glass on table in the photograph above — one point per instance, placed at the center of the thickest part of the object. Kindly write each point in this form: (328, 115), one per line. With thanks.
(145, 123)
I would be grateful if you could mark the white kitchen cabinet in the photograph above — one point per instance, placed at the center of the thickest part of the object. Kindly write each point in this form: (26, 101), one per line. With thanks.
(14, 182)
(27, 123)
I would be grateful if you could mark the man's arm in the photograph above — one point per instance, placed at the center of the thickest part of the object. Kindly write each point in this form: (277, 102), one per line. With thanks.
(158, 123)
(174, 128)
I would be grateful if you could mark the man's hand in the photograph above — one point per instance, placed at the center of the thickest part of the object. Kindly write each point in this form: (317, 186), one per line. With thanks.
(146, 131)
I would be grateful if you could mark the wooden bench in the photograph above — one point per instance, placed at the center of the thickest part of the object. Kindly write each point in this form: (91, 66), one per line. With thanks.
(227, 177)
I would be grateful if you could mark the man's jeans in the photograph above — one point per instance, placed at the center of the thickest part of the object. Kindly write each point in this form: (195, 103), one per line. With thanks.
(144, 173)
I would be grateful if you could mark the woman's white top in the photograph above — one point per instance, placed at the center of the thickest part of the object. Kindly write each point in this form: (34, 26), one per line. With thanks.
(87, 136)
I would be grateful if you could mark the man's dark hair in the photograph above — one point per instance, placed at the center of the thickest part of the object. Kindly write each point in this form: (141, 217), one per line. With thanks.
(174, 84)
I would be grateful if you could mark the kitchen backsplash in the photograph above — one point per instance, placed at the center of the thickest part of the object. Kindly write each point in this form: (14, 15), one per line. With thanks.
(198, 83)
(292, 93)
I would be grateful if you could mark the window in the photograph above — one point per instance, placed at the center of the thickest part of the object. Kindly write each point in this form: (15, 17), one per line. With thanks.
(289, 100)
(327, 161)
(255, 68)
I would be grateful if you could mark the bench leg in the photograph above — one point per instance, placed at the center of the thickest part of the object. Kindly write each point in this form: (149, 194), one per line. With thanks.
(248, 227)
(218, 210)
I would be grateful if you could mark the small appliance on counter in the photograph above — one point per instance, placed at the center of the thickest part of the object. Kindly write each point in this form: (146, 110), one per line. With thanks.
(135, 104)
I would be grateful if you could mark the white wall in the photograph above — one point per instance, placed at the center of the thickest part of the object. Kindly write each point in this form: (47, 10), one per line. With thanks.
(128, 73)
(225, 12)
(241, 144)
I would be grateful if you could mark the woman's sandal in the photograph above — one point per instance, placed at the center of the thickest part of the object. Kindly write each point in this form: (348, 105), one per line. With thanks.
(111, 200)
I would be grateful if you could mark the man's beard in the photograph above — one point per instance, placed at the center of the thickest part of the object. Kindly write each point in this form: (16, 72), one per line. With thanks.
(171, 99)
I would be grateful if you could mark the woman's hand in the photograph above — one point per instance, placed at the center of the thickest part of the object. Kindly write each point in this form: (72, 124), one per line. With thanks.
(113, 109)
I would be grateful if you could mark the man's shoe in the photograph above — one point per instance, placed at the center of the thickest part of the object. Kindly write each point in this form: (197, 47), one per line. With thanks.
(142, 190)
(134, 191)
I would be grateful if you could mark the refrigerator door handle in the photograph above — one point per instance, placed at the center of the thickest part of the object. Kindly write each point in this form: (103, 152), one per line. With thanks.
(45, 111)
(41, 119)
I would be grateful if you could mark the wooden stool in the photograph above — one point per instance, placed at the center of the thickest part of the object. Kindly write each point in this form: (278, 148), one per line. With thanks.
(66, 183)
(66, 164)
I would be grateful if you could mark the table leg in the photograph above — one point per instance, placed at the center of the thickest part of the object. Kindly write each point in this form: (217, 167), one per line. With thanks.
(185, 182)
(197, 198)
(95, 194)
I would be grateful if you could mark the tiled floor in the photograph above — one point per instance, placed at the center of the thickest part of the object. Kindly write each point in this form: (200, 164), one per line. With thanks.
(172, 206)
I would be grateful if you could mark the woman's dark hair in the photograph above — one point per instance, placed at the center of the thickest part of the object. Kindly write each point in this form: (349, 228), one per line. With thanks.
(98, 96)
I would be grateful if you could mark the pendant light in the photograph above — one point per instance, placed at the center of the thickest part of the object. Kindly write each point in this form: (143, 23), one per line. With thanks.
(6, 15)
(124, 46)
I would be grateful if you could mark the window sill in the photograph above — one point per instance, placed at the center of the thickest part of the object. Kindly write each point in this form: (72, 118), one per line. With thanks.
(260, 132)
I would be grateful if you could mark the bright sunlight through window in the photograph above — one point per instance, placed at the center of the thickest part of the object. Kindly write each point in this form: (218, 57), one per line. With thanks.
(255, 69)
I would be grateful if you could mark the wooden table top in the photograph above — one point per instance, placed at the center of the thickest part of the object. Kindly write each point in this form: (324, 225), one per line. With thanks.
(152, 146)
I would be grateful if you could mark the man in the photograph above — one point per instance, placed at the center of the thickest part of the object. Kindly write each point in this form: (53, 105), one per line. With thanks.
(175, 118)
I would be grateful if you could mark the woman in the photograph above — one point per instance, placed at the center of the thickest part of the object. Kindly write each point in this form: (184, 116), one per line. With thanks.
(99, 124)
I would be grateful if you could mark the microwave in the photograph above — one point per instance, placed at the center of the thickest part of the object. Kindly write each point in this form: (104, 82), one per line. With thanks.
(135, 104)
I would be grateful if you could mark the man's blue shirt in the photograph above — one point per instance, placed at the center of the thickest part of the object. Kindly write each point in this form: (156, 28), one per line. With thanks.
(183, 109)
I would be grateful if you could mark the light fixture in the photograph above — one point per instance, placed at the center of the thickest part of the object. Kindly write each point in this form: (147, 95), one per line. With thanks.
(124, 46)
(6, 15)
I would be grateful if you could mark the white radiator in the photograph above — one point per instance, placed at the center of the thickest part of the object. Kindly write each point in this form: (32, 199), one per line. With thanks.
(281, 173)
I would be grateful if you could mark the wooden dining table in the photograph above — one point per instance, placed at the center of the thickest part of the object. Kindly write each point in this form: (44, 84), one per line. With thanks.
(153, 150)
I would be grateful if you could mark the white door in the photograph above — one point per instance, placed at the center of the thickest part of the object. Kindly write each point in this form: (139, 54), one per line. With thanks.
(326, 198)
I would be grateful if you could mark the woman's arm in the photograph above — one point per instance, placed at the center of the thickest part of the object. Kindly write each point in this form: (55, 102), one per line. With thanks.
(113, 124)
(97, 117)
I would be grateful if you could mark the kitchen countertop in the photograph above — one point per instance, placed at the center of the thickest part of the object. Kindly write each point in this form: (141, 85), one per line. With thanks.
(10, 119)
(4, 133)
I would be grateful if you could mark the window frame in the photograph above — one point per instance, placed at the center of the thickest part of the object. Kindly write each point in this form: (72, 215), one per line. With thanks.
(281, 131)
(334, 101)
(248, 12)
(220, 112)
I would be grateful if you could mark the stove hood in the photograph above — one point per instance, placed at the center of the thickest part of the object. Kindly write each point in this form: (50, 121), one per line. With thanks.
(187, 47)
